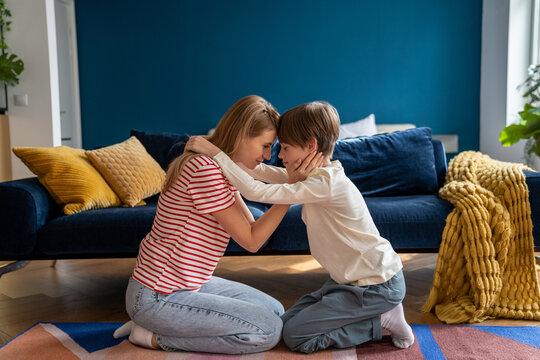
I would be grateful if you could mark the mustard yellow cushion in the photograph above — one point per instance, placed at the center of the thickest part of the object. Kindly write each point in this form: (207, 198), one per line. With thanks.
(69, 177)
(130, 171)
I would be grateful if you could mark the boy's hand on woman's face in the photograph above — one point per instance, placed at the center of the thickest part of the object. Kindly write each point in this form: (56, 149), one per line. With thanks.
(199, 144)
(303, 168)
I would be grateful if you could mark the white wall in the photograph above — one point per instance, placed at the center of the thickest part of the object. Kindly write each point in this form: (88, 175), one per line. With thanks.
(33, 39)
(506, 29)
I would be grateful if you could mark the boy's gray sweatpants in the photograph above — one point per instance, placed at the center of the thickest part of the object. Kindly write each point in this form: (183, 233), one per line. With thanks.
(340, 315)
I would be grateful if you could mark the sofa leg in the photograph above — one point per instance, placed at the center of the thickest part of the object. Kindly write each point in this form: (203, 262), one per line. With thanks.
(4, 269)
(54, 263)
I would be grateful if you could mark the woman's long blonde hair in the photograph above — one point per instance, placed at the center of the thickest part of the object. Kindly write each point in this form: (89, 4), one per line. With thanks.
(248, 117)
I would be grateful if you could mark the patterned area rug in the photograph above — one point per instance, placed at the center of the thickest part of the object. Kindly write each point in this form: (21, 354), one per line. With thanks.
(61, 341)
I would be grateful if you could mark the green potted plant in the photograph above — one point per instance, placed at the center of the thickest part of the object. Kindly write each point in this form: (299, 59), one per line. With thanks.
(10, 65)
(528, 125)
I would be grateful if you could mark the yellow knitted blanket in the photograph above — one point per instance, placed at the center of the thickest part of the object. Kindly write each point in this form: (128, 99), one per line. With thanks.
(486, 266)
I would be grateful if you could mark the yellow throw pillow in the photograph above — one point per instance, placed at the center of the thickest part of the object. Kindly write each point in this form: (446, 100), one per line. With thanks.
(69, 177)
(130, 171)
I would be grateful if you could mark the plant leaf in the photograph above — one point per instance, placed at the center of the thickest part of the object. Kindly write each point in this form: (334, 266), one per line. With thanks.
(528, 113)
(532, 128)
(534, 111)
(10, 69)
(511, 134)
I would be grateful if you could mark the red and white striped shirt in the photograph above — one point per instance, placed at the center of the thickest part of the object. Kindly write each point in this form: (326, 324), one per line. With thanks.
(186, 242)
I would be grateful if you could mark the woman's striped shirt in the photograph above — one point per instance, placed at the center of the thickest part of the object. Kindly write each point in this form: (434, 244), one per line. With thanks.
(186, 242)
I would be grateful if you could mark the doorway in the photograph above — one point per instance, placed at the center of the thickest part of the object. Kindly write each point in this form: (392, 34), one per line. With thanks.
(68, 73)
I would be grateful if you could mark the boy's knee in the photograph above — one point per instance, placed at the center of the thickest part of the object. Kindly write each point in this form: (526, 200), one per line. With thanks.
(292, 337)
(304, 340)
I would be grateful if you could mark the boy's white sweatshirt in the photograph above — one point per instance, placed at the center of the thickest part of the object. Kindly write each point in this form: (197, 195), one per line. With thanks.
(341, 233)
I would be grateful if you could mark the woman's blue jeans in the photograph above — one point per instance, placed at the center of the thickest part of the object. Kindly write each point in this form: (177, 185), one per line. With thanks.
(222, 317)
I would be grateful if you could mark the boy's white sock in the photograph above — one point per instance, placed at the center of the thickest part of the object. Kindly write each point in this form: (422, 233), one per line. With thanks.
(140, 336)
(394, 321)
(123, 330)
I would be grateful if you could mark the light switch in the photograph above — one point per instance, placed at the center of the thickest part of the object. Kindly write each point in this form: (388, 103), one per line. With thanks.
(21, 100)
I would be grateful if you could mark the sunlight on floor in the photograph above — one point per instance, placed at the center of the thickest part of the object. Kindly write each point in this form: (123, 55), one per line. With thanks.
(307, 265)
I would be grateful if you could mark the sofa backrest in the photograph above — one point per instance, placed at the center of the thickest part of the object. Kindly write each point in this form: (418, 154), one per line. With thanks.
(406, 162)
(393, 164)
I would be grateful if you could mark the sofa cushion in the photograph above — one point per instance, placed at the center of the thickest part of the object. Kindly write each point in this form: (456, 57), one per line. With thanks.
(410, 222)
(257, 209)
(176, 150)
(400, 163)
(113, 231)
(116, 231)
(129, 170)
(159, 144)
(291, 234)
(69, 177)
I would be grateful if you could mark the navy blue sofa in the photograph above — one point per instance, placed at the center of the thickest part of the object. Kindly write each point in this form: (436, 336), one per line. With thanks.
(399, 175)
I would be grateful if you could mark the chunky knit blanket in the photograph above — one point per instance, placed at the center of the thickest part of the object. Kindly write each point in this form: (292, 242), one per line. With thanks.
(486, 266)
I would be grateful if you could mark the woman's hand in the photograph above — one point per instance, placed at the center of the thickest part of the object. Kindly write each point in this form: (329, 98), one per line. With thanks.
(303, 168)
(200, 145)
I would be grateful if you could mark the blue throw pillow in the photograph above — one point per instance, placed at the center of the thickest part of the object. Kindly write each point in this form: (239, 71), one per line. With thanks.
(160, 144)
(176, 150)
(400, 163)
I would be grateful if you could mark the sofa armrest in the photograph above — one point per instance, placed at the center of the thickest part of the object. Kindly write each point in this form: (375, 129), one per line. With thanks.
(533, 183)
(25, 206)
(441, 167)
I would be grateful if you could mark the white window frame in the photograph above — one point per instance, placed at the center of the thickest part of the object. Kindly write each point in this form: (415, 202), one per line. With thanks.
(535, 38)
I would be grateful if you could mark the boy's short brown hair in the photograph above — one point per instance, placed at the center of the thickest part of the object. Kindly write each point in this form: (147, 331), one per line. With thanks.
(318, 120)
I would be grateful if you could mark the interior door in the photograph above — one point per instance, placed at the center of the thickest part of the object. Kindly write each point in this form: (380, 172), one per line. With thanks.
(65, 32)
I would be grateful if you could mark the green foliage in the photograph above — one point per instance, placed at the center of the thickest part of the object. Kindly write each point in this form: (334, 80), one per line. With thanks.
(528, 126)
(10, 69)
(10, 65)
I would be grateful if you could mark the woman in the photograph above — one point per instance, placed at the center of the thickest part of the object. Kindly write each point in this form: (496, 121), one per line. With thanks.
(173, 299)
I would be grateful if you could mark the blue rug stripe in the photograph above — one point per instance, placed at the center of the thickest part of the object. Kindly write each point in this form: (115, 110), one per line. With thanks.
(429, 347)
(529, 335)
(91, 336)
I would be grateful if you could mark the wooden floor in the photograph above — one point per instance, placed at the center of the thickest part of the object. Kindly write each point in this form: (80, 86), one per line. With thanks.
(93, 290)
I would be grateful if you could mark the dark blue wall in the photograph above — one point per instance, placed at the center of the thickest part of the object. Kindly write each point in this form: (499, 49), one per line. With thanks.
(177, 66)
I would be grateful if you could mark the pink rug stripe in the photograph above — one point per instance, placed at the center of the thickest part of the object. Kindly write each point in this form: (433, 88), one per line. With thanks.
(281, 352)
(344, 354)
(214, 357)
(127, 351)
(384, 350)
(30, 345)
(478, 344)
